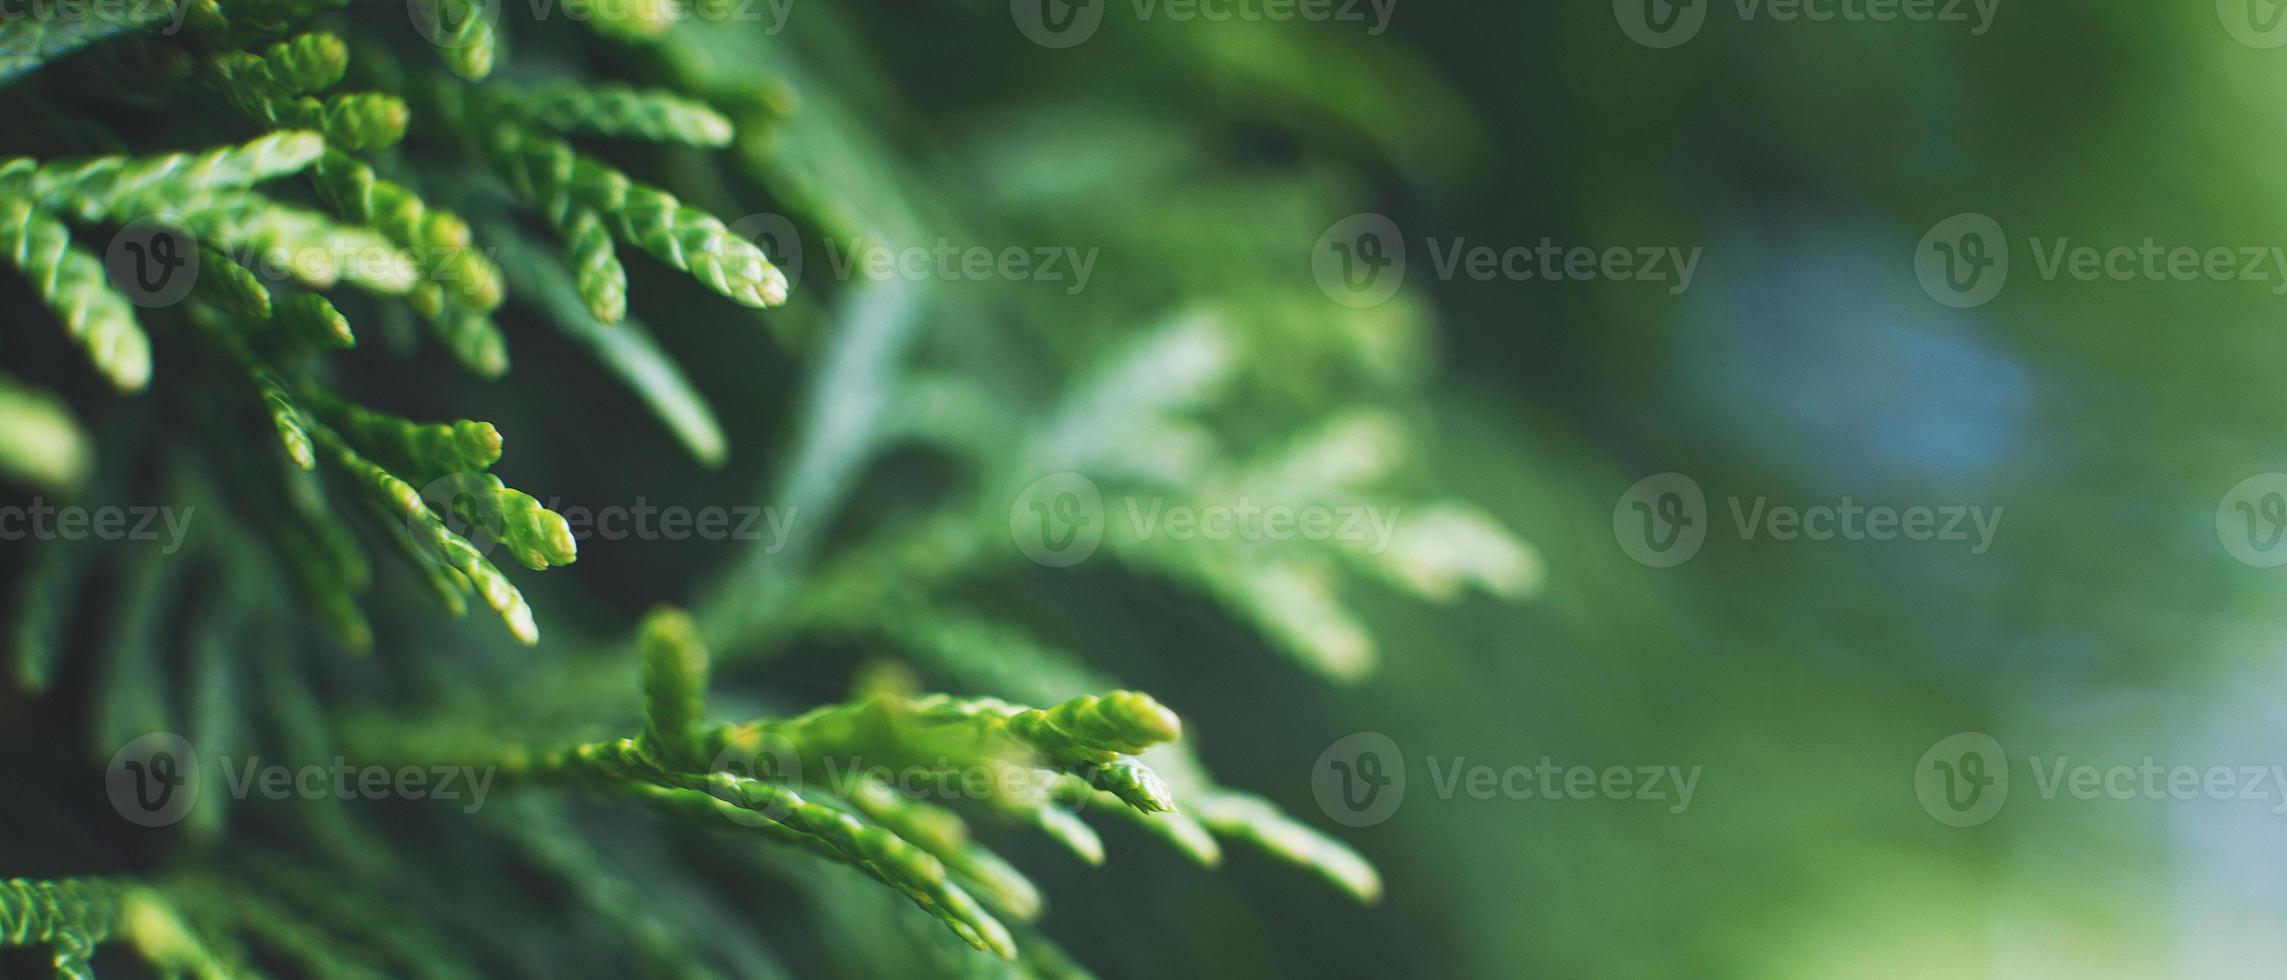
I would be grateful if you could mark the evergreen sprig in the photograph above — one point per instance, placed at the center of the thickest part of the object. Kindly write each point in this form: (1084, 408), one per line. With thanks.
(40, 442)
(678, 764)
(252, 357)
(561, 183)
(72, 282)
(72, 916)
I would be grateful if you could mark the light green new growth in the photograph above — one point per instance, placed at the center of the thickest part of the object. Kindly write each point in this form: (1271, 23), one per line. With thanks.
(637, 20)
(601, 279)
(39, 440)
(539, 538)
(1133, 782)
(438, 239)
(620, 111)
(436, 541)
(286, 416)
(1256, 821)
(72, 282)
(945, 836)
(473, 339)
(93, 189)
(72, 916)
(317, 251)
(415, 450)
(557, 179)
(304, 64)
(311, 320)
(783, 816)
(679, 764)
(354, 121)
(461, 29)
(674, 687)
(229, 286)
(276, 88)
(459, 284)
(1119, 722)
(627, 349)
(1069, 830)
(1000, 656)
(937, 731)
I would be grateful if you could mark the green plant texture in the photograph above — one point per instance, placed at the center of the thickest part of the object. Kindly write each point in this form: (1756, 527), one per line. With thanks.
(702, 759)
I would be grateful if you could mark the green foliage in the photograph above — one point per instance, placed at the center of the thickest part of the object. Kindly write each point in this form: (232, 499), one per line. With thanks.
(72, 283)
(567, 186)
(40, 442)
(320, 513)
(72, 916)
(914, 847)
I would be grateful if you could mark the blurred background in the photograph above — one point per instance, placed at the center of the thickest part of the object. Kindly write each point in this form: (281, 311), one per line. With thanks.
(2105, 421)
